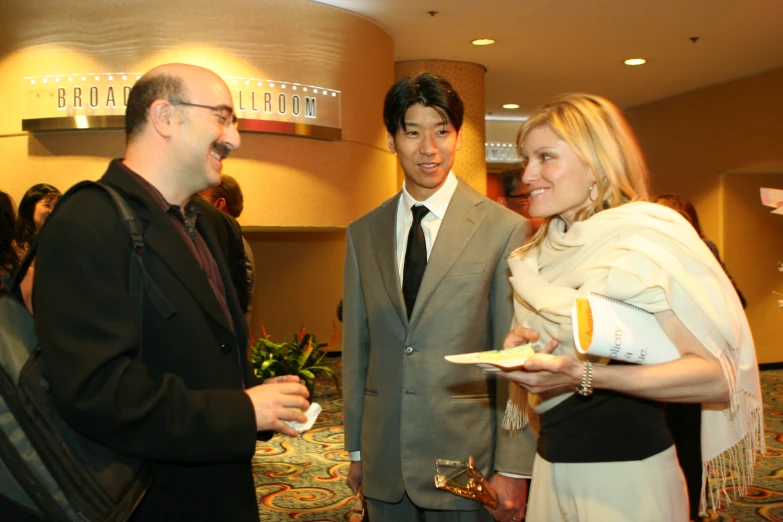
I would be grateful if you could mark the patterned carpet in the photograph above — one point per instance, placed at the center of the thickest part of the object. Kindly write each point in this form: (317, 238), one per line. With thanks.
(304, 478)
(765, 499)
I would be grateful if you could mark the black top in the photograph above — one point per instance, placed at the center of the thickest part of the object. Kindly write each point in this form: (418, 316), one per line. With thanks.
(608, 426)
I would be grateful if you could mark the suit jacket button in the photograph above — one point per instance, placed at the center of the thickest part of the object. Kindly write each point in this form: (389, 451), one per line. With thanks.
(225, 348)
(408, 350)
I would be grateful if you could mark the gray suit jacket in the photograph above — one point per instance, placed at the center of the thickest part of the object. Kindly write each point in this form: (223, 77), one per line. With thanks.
(405, 406)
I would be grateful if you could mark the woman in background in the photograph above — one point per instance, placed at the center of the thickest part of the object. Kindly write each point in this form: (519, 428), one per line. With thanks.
(684, 420)
(35, 207)
(604, 451)
(8, 257)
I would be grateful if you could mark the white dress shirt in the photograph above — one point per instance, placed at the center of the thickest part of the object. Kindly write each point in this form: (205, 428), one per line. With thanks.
(437, 205)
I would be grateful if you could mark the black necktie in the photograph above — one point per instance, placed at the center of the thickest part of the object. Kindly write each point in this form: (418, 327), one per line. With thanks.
(415, 258)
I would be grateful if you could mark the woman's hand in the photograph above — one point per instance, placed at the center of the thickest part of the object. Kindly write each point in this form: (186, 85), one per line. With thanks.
(543, 371)
(522, 335)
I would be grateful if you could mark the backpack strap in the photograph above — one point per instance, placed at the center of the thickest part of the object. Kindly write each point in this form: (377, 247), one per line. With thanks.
(139, 280)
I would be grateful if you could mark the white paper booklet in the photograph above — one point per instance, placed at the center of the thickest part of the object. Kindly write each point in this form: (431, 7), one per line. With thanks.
(605, 327)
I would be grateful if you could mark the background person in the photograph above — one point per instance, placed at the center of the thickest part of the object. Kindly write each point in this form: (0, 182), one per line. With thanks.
(684, 420)
(9, 259)
(515, 197)
(34, 209)
(35, 206)
(227, 196)
(605, 453)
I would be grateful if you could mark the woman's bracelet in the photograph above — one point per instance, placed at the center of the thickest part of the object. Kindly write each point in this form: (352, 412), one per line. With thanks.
(585, 388)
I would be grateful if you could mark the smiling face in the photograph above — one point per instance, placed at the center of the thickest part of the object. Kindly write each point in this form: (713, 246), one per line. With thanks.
(558, 182)
(425, 146)
(206, 137)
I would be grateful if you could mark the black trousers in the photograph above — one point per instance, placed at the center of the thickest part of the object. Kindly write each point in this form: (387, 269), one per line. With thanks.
(684, 422)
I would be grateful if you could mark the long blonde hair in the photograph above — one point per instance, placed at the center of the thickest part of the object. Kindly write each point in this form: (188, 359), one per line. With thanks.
(602, 138)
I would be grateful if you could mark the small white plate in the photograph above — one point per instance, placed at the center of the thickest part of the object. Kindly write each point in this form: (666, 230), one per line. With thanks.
(474, 358)
(494, 366)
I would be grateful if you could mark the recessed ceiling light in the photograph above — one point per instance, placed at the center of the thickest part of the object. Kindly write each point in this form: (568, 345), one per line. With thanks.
(511, 106)
(635, 61)
(483, 41)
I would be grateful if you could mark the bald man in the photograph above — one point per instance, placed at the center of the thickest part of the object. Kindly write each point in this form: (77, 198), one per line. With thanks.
(175, 390)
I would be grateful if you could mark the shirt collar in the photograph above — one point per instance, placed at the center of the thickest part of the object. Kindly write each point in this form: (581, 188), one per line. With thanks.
(437, 203)
(191, 212)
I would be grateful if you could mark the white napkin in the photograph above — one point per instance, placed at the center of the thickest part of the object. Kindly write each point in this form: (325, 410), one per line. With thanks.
(311, 414)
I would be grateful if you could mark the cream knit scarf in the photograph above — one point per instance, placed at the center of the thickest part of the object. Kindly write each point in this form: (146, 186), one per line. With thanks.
(649, 256)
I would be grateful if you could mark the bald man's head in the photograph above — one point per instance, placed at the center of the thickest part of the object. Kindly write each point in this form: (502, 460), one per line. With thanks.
(172, 81)
(148, 89)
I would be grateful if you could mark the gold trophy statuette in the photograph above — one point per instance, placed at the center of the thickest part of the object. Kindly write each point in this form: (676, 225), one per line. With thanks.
(475, 487)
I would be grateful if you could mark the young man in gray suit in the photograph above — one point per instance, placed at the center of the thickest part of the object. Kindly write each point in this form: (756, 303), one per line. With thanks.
(426, 276)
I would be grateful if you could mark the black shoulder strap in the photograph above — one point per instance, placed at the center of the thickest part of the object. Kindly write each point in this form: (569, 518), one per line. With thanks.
(140, 280)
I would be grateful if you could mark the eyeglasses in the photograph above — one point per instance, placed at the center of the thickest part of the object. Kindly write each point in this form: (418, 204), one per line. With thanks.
(225, 115)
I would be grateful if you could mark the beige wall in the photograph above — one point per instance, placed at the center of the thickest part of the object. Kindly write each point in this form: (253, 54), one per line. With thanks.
(753, 238)
(298, 282)
(287, 181)
(503, 131)
(690, 141)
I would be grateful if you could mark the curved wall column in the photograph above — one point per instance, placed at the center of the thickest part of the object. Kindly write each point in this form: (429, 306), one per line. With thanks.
(468, 79)
(288, 181)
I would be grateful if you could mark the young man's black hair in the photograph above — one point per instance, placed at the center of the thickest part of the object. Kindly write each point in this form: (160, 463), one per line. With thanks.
(427, 89)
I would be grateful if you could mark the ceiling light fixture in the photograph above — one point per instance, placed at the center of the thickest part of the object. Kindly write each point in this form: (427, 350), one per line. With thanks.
(635, 61)
(483, 41)
(511, 106)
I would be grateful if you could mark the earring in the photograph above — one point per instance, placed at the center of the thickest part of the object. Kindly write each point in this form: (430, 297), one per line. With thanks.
(590, 192)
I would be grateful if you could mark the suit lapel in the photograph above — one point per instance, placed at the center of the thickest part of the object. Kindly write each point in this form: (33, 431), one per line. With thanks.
(161, 237)
(384, 238)
(232, 299)
(463, 217)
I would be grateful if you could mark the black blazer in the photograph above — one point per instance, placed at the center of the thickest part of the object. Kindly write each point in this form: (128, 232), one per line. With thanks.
(229, 236)
(181, 404)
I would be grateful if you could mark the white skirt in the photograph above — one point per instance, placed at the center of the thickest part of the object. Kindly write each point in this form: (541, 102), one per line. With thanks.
(649, 490)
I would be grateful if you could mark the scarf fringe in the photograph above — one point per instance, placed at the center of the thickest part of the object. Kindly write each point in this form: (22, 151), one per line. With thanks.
(730, 364)
(733, 469)
(516, 416)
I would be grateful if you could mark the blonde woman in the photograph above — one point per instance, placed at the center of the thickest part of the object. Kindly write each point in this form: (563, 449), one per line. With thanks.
(604, 452)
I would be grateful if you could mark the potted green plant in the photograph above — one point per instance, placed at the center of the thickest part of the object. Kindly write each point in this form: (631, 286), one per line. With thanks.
(302, 356)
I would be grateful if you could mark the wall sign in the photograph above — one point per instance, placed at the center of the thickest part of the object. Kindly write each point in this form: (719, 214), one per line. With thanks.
(98, 101)
(501, 153)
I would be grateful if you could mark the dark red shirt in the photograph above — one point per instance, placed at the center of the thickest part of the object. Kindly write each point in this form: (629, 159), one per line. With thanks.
(185, 225)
